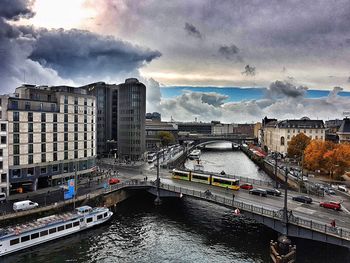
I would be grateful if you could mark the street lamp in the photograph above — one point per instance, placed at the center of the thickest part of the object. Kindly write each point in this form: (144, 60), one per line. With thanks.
(276, 181)
(157, 201)
(285, 209)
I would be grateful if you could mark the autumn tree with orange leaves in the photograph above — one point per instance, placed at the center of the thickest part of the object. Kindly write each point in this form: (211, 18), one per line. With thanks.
(297, 145)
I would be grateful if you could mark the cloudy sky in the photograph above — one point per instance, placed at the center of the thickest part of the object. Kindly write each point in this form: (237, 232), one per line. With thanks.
(285, 47)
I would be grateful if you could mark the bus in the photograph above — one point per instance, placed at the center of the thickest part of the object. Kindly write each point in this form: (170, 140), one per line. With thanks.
(151, 157)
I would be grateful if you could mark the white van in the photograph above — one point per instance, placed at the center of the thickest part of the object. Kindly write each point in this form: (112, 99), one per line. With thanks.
(2, 197)
(24, 205)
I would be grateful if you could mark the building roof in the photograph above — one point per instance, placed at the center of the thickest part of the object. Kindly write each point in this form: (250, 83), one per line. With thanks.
(345, 126)
(301, 124)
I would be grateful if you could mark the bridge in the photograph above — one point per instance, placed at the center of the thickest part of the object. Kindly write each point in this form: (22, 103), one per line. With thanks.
(201, 139)
(301, 220)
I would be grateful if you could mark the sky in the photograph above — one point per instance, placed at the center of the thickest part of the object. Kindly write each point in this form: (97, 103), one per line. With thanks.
(209, 50)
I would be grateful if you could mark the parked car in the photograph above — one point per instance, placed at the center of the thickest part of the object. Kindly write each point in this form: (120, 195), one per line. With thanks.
(342, 188)
(331, 205)
(113, 181)
(273, 191)
(2, 197)
(302, 199)
(330, 191)
(258, 191)
(246, 186)
(24, 205)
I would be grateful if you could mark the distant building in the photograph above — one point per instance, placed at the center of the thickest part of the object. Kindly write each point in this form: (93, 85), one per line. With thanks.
(195, 127)
(153, 128)
(155, 116)
(47, 133)
(344, 131)
(233, 128)
(277, 134)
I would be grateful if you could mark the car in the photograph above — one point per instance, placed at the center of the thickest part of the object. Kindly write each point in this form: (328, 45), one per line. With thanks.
(24, 205)
(330, 191)
(342, 188)
(258, 191)
(331, 205)
(302, 199)
(273, 191)
(246, 186)
(113, 181)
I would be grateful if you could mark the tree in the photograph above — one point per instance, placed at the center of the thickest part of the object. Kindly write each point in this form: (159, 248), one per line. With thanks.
(297, 145)
(337, 160)
(314, 154)
(166, 138)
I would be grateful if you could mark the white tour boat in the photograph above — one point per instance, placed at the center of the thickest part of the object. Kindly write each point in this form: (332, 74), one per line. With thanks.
(49, 228)
(195, 154)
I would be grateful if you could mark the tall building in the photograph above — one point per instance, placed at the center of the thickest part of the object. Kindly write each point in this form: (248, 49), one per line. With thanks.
(131, 119)
(47, 133)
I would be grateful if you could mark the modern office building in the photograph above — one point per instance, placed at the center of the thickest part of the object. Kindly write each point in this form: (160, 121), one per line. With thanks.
(47, 135)
(131, 120)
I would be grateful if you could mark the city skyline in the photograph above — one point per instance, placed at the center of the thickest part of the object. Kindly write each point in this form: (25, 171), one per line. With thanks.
(285, 48)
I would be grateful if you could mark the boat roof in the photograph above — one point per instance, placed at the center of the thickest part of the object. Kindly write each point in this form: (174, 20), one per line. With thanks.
(84, 208)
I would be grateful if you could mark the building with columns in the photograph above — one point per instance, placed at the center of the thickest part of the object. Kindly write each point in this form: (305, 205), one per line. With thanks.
(47, 135)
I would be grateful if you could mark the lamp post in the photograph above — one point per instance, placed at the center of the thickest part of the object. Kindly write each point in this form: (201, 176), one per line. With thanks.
(285, 209)
(75, 183)
(276, 181)
(157, 201)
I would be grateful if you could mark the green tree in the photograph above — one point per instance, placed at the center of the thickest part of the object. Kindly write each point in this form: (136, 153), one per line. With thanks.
(166, 138)
(297, 145)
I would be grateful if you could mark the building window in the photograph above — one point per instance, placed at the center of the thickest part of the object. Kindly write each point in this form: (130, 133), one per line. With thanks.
(43, 170)
(66, 137)
(75, 127)
(85, 119)
(85, 153)
(55, 127)
(55, 156)
(16, 138)
(76, 136)
(55, 168)
(30, 116)
(16, 116)
(55, 117)
(65, 108)
(75, 154)
(30, 159)
(30, 148)
(43, 127)
(1, 153)
(75, 145)
(14, 105)
(43, 117)
(66, 127)
(15, 160)
(85, 127)
(16, 127)
(66, 146)
(55, 137)
(65, 99)
(1, 165)
(43, 147)
(3, 126)
(282, 141)
(27, 105)
(3, 139)
(55, 147)
(15, 149)
(75, 109)
(30, 127)
(43, 158)
(85, 145)
(76, 118)
(65, 117)
(85, 136)
(43, 137)
(76, 100)
(66, 155)
(16, 173)
(85, 101)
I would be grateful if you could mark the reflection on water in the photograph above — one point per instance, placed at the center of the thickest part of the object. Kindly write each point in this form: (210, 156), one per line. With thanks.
(181, 230)
(231, 162)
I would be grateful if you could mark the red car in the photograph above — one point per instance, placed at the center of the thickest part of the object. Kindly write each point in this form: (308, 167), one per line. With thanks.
(113, 181)
(246, 186)
(331, 205)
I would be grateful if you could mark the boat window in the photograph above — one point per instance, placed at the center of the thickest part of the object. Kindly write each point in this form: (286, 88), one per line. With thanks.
(99, 217)
(81, 219)
(35, 235)
(60, 228)
(43, 233)
(14, 241)
(25, 238)
(52, 230)
(89, 220)
(76, 223)
(69, 226)
(105, 214)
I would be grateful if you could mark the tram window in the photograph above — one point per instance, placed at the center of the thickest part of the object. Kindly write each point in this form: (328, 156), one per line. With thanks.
(53, 230)
(14, 241)
(89, 220)
(68, 226)
(44, 233)
(60, 228)
(35, 235)
(25, 238)
(105, 214)
(99, 217)
(76, 223)
(199, 177)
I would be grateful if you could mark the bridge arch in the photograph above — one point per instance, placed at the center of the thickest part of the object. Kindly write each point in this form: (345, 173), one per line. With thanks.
(199, 144)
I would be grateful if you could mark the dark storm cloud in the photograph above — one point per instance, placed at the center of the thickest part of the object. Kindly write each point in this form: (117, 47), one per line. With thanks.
(214, 99)
(14, 9)
(78, 52)
(230, 52)
(280, 89)
(192, 30)
(249, 71)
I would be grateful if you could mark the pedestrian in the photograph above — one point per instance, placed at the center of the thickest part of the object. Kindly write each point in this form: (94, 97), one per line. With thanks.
(233, 198)
(333, 223)
(146, 178)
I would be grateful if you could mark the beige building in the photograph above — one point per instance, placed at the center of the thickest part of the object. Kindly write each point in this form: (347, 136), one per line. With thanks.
(344, 131)
(46, 134)
(277, 134)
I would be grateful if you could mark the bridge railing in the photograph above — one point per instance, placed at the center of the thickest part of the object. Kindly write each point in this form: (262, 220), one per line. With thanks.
(321, 227)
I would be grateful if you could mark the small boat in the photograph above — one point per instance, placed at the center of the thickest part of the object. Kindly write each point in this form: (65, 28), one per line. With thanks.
(13, 239)
(195, 154)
